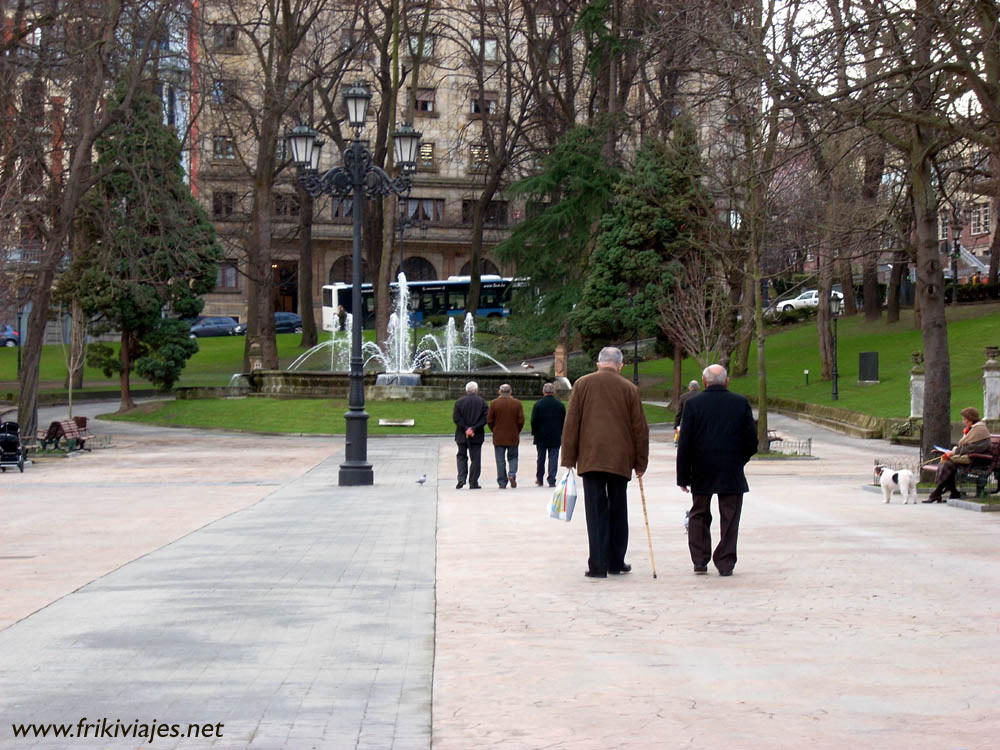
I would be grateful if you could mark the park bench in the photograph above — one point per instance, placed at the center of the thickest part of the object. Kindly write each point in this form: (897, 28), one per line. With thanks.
(983, 469)
(73, 434)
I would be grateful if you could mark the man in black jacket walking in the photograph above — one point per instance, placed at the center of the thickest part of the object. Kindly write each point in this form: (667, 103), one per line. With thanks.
(469, 416)
(547, 417)
(718, 437)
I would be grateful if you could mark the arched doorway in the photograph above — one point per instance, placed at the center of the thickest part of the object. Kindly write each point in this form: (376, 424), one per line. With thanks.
(485, 267)
(417, 269)
(341, 272)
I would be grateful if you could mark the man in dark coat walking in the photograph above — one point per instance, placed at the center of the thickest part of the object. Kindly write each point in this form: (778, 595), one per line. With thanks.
(469, 416)
(718, 437)
(547, 417)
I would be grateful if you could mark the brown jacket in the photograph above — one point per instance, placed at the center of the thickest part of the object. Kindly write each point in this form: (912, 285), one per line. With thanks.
(605, 427)
(505, 418)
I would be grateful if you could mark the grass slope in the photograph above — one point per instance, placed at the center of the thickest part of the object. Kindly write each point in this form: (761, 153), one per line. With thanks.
(793, 349)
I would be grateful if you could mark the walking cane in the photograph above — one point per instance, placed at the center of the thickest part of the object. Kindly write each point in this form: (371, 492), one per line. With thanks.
(649, 537)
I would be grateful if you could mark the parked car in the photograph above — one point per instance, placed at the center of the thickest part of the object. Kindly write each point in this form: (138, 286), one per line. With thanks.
(286, 322)
(214, 326)
(806, 300)
(8, 336)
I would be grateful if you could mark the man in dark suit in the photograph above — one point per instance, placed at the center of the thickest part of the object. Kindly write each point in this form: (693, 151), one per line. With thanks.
(469, 416)
(547, 417)
(718, 437)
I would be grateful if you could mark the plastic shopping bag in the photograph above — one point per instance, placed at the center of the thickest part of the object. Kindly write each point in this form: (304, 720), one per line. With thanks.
(564, 498)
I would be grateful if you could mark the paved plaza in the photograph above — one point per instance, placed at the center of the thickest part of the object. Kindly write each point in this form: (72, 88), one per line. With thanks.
(190, 577)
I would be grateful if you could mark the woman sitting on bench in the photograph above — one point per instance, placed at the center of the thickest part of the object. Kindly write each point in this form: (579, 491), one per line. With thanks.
(975, 440)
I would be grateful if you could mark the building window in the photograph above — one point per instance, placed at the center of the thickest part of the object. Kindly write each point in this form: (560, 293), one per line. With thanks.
(414, 45)
(424, 102)
(223, 147)
(286, 204)
(485, 46)
(224, 37)
(417, 269)
(485, 105)
(223, 204)
(495, 216)
(227, 277)
(944, 221)
(479, 157)
(427, 210)
(486, 268)
(223, 91)
(981, 218)
(425, 160)
(343, 208)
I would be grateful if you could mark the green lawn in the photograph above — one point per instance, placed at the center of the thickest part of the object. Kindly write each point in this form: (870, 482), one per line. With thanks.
(311, 416)
(792, 349)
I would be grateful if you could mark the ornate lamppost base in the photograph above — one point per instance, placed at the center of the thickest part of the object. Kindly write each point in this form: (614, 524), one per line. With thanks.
(356, 475)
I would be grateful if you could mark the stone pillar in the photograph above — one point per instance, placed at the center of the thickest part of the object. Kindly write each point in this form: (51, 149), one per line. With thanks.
(255, 356)
(991, 384)
(559, 366)
(917, 386)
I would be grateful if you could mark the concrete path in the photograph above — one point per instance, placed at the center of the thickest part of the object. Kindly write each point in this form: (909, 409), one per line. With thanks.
(191, 577)
(199, 578)
(848, 622)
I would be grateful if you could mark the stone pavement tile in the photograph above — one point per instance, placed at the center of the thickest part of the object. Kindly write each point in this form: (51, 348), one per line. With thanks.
(70, 521)
(303, 618)
(847, 623)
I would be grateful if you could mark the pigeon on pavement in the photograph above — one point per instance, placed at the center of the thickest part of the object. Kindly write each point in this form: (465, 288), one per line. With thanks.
(422, 479)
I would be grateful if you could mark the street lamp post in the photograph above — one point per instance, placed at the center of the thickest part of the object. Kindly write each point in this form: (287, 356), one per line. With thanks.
(956, 232)
(358, 178)
(835, 312)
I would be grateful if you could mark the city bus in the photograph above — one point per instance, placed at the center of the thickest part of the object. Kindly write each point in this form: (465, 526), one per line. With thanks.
(427, 299)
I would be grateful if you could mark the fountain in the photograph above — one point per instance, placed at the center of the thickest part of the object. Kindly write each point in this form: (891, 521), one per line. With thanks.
(400, 363)
(436, 368)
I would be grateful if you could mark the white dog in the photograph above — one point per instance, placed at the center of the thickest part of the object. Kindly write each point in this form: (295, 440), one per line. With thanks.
(901, 480)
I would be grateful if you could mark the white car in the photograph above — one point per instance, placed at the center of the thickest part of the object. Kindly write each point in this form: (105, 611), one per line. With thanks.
(804, 301)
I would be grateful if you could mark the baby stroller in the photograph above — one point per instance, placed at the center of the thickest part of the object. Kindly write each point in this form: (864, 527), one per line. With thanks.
(11, 450)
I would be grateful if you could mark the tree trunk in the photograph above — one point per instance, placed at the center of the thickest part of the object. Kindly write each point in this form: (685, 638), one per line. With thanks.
(678, 386)
(871, 181)
(78, 346)
(930, 295)
(899, 267)
(740, 359)
(846, 273)
(383, 295)
(305, 282)
(125, 361)
(994, 246)
(825, 287)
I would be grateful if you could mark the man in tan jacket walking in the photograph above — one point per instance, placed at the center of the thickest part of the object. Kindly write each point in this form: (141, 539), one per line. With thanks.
(506, 418)
(606, 438)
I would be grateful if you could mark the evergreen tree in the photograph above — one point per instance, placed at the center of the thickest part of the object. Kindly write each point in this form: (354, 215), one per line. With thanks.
(658, 225)
(148, 250)
(553, 245)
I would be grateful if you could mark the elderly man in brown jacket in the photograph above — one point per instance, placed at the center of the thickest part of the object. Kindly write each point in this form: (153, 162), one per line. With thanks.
(506, 418)
(606, 438)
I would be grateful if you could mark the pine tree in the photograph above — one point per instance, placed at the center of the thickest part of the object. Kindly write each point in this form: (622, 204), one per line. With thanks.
(148, 250)
(657, 226)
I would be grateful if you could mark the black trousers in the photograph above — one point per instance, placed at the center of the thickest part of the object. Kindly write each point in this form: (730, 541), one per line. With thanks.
(469, 462)
(607, 520)
(945, 479)
(552, 453)
(700, 530)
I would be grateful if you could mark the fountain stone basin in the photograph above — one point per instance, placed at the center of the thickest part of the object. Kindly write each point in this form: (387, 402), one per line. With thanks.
(397, 378)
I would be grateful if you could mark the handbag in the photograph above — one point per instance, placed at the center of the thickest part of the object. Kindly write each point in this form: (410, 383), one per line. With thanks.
(564, 497)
